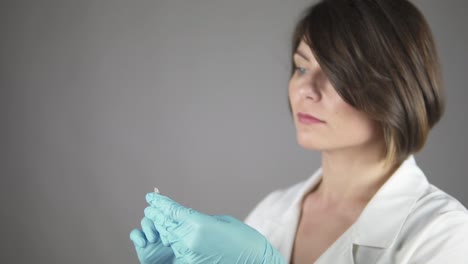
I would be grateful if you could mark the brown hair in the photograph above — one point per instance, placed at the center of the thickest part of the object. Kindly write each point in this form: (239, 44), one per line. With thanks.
(381, 58)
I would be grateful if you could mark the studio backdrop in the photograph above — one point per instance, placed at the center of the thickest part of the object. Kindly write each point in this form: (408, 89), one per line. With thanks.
(101, 101)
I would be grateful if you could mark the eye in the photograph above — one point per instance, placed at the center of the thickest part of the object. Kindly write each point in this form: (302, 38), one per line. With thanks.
(300, 70)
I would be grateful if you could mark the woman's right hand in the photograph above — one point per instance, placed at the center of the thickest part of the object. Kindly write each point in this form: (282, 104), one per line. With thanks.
(148, 245)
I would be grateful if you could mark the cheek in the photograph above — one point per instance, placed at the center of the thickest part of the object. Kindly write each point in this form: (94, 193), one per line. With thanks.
(351, 125)
(291, 90)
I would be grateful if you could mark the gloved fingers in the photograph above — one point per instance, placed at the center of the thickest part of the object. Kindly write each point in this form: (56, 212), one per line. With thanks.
(138, 238)
(169, 207)
(163, 225)
(187, 236)
(159, 217)
(150, 231)
(181, 252)
(183, 241)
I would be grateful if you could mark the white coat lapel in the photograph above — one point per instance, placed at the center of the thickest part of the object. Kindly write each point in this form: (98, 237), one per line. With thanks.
(381, 220)
(341, 252)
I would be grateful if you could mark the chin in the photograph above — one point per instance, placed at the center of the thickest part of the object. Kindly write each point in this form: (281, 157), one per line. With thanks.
(311, 144)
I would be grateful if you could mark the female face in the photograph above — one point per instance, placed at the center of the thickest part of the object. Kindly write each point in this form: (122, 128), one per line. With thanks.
(341, 126)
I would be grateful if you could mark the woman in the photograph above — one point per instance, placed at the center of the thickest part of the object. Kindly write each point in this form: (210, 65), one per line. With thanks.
(365, 91)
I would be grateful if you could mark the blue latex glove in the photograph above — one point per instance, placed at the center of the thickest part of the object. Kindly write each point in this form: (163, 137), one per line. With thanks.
(148, 245)
(197, 238)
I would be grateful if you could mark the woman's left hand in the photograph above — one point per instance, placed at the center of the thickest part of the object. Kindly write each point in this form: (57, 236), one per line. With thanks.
(148, 245)
(199, 238)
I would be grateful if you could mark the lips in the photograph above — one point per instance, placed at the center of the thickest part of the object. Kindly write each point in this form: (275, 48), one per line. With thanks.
(303, 116)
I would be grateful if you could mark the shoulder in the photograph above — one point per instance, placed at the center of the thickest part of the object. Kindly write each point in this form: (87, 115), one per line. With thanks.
(437, 229)
(436, 204)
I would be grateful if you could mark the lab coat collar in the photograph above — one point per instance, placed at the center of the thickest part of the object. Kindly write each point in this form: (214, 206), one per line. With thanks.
(392, 202)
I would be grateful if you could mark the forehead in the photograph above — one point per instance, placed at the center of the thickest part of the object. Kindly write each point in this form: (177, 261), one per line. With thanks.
(303, 51)
(304, 48)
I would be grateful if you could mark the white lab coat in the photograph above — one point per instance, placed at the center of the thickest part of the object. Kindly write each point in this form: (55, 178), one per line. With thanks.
(407, 221)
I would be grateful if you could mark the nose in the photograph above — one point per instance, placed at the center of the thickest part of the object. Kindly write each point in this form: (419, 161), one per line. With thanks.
(309, 90)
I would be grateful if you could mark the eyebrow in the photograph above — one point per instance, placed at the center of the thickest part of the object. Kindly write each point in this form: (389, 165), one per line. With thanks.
(300, 53)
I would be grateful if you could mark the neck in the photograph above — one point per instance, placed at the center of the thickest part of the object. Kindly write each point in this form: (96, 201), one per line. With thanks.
(352, 176)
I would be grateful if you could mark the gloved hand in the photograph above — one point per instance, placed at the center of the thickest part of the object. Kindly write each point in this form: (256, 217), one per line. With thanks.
(197, 238)
(148, 245)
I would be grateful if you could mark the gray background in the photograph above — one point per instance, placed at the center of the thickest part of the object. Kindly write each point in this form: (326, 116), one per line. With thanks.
(103, 100)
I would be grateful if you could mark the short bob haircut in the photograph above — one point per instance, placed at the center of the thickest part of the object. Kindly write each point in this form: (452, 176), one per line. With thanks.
(381, 58)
